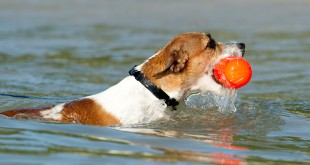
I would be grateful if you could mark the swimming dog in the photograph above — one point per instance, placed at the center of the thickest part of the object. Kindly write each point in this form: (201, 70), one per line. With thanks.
(183, 66)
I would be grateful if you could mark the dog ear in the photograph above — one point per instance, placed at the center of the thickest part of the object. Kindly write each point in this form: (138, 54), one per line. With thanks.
(177, 61)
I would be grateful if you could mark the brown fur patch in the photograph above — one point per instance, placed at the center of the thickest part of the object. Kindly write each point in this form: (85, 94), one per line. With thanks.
(172, 69)
(87, 111)
(25, 113)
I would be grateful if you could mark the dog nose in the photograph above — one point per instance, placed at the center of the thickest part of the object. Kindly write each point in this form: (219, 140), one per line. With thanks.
(242, 47)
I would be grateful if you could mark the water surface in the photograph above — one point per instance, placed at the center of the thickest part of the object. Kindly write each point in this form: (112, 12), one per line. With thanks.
(55, 51)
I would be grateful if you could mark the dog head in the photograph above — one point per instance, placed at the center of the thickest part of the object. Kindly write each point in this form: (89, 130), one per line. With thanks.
(185, 64)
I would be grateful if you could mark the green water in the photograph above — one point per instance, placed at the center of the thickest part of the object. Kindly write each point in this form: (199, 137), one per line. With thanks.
(55, 51)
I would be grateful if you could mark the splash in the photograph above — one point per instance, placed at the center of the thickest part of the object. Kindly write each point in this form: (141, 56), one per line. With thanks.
(224, 103)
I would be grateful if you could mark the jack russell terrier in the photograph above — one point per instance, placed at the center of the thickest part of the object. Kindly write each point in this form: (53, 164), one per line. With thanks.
(182, 67)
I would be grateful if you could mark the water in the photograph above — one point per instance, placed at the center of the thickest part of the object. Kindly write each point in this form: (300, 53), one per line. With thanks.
(224, 103)
(54, 51)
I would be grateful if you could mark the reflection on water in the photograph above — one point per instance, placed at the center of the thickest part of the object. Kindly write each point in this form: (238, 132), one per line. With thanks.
(55, 51)
(226, 132)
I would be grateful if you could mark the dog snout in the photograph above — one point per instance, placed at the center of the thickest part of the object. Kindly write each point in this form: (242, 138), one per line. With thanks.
(235, 46)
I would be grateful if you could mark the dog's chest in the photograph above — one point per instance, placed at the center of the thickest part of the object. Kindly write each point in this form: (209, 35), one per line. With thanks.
(130, 102)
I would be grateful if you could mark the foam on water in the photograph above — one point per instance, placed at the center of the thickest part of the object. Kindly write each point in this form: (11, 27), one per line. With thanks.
(224, 103)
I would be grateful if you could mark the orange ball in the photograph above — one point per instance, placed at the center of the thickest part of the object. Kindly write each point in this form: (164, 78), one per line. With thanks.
(233, 72)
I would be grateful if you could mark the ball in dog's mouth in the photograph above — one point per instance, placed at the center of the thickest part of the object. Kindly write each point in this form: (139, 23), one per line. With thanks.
(232, 72)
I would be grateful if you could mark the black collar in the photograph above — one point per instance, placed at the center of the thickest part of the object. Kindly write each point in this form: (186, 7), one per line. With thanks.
(159, 93)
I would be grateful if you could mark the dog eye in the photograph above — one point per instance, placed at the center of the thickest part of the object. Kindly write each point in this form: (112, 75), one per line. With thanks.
(211, 44)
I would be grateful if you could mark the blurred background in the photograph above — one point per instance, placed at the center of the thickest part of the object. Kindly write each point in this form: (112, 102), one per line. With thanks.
(54, 51)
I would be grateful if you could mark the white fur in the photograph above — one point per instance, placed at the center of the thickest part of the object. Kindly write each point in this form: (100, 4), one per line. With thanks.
(207, 83)
(231, 49)
(130, 102)
(53, 113)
